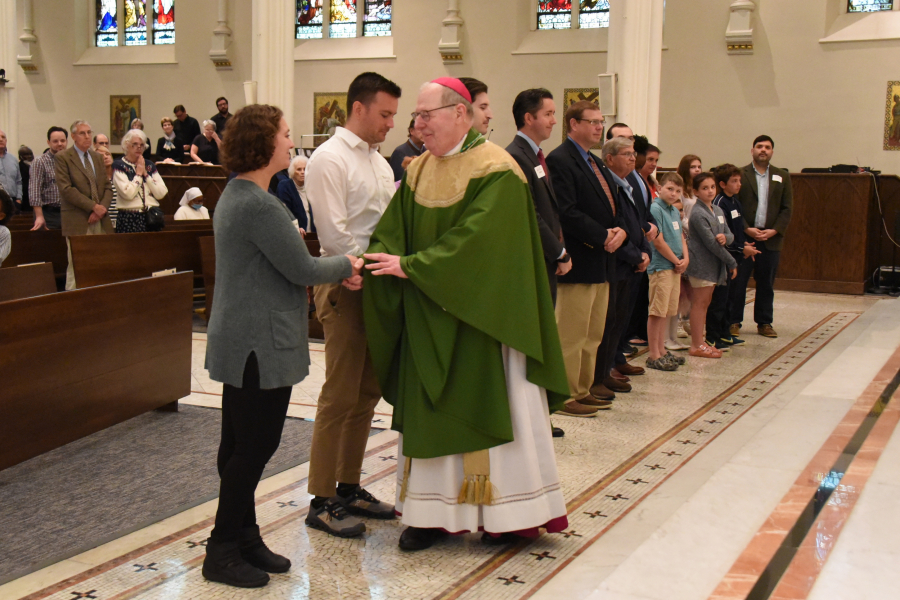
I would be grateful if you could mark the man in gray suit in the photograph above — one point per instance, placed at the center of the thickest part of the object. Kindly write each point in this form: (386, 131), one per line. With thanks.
(84, 191)
(767, 199)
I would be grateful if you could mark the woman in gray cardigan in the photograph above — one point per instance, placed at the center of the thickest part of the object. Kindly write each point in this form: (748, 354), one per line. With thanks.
(711, 264)
(257, 338)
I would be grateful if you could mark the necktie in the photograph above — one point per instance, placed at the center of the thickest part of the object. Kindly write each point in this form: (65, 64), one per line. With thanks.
(603, 184)
(95, 195)
(543, 162)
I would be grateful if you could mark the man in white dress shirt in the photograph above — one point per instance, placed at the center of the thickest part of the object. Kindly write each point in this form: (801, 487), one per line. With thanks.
(349, 185)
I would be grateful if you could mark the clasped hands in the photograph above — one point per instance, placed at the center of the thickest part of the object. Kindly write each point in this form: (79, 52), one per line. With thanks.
(761, 235)
(97, 213)
(355, 281)
(383, 264)
(615, 237)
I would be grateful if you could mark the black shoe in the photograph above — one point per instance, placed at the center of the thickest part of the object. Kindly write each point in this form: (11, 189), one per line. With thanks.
(255, 552)
(224, 564)
(363, 504)
(420, 538)
(500, 540)
(557, 432)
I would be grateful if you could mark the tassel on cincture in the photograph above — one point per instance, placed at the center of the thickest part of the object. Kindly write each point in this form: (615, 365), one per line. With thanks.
(463, 492)
(407, 464)
(477, 488)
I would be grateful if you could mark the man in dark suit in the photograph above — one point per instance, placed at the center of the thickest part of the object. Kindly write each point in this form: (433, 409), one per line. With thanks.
(84, 191)
(587, 214)
(766, 222)
(535, 115)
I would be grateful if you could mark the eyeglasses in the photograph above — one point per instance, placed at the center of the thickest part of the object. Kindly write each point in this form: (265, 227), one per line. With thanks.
(426, 114)
(594, 122)
(628, 154)
(101, 143)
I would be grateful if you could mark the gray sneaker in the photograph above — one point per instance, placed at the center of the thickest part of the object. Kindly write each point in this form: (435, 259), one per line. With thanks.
(332, 517)
(678, 360)
(661, 364)
(363, 504)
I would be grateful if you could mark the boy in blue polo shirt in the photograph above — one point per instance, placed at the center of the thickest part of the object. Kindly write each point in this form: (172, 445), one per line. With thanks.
(670, 259)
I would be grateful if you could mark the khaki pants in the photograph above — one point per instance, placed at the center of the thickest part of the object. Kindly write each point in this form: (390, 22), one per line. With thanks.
(95, 229)
(348, 398)
(581, 318)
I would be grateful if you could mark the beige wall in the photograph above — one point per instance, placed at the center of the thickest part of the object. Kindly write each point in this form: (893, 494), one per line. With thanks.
(63, 92)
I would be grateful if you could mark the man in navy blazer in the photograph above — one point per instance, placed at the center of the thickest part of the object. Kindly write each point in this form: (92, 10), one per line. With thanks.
(588, 216)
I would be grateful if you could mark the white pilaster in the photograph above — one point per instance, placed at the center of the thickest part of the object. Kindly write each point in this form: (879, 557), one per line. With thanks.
(739, 34)
(635, 55)
(9, 121)
(273, 54)
(221, 39)
(27, 40)
(451, 27)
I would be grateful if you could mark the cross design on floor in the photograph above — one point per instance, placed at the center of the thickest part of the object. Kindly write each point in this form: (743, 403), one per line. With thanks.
(654, 467)
(686, 442)
(745, 395)
(671, 453)
(89, 594)
(735, 404)
(509, 580)
(286, 504)
(700, 431)
(150, 567)
(195, 544)
(637, 481)
(713, 422)
(595, 514)
(723, 412)
(542, 555)
(568, 534)
(617, 497)
(387, 458)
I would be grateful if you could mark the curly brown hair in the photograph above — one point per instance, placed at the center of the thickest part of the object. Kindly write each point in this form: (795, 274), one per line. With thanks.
(250, 142)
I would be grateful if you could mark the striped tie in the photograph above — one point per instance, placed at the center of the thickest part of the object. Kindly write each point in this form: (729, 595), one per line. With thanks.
(603, 183)
(95, 194)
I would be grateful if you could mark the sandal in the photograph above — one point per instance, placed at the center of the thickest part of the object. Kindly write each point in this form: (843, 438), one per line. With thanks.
(705, 351)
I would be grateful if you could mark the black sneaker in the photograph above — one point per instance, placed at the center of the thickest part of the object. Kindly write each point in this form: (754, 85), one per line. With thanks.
(719, 345)
(736, 341)
(363, 504)
(332, 517)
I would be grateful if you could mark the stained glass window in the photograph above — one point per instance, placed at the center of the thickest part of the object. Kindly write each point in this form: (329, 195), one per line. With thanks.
(135, 22)
(593, 14)
(164, 22)
(378, 18)
(343, 19)
(869, 5)
(309, 19)
(107, 24)
(554, 14)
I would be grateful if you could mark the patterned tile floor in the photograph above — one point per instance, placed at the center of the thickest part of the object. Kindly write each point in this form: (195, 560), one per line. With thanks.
(607, 466)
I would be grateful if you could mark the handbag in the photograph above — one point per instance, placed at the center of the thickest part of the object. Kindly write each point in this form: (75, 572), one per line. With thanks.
(153, 216)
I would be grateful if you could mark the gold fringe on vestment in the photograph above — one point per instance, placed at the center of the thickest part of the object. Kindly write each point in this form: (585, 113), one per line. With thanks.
(407, 465)
(476, 486)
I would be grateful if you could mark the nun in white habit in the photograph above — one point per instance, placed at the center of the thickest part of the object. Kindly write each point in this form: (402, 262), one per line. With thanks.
(191, 206)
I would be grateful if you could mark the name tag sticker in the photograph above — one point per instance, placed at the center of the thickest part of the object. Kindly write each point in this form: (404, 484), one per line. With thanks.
(539, 170)
(735, 214)
(721, 219)
(776, 178)
(676, 225)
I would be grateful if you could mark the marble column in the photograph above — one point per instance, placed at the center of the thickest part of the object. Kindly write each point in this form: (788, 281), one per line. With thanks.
(9, 41)
(635, 55)
(273, 54)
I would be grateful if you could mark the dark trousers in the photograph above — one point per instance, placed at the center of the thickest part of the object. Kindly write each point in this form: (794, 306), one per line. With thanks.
(764, 270)
(52, 217)
(717, 324)
(637, 327)
(252, 422)
(617, 314)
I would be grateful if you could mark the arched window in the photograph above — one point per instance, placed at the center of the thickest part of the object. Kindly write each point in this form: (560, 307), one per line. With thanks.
(566, 14)
(141, 21)
(856, 6)
(342, 18)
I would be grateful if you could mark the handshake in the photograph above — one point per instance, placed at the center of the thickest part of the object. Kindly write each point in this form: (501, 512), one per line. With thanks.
(355, 281)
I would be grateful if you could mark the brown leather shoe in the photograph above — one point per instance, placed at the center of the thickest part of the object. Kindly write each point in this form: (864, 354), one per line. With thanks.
(766, 331)
(576, 409)
(735, 330)
(616, 385)
(615, 373)
(629, 369)
(595, 403)
(601, 392)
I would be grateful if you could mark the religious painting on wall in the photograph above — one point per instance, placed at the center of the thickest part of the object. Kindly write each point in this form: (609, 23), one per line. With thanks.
(122, 111)
(570, 97)
(892, 117)
(329, 113)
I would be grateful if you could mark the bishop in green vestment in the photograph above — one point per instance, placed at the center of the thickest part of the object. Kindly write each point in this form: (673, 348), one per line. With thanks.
(463, 336)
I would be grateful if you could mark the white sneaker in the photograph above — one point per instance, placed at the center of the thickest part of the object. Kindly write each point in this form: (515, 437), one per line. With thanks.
(681, 332)
(675, 345)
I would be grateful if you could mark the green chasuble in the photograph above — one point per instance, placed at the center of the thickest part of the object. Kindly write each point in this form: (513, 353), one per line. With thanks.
(466, 230)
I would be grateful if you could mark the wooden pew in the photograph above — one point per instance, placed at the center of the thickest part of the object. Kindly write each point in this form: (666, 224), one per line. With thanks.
(173, 225)
(77, 362)
(208, 259)
(210, 180)
(39, 246)
(27, 281)
(102, 259)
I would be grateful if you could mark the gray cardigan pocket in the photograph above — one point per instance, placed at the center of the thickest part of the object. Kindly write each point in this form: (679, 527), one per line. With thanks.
(287, 328)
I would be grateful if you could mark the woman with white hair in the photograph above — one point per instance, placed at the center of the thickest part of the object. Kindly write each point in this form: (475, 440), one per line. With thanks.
(292, 192)
(191, 206)
(205, 147)
(137, 182)
(138, 124)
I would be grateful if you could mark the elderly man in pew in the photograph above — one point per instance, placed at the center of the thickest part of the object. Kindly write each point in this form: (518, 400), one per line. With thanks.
(84, 191)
